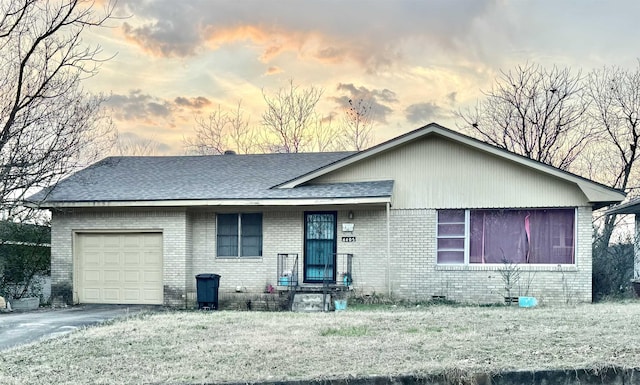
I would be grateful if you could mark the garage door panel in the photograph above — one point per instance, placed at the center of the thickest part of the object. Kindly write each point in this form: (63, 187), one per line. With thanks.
(91, 294)
(154, 240)
(111, 258)
(132, 241)
(92, 259)
(132, 276)
(111, 294)
(92, 240)
(149, 257)
(91, 276)
(120, 268)
(133, 258)
(112, 276)
(109, 240)
(131, 295)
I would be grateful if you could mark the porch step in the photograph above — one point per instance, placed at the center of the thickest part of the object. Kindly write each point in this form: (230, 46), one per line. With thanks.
(308, 302)
(306, 288)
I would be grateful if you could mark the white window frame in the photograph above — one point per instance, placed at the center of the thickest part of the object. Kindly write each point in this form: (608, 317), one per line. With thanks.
(466, 237)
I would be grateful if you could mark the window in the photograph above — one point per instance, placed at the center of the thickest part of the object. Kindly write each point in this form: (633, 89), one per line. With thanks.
(542, 236)
(239, 235)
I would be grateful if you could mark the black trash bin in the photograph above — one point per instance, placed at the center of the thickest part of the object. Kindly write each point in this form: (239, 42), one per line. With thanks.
(207, 288)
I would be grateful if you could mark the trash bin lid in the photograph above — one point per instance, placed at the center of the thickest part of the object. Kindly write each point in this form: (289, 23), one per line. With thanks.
(207, 276)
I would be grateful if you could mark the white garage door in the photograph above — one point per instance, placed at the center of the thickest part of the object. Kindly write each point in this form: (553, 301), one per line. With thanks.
(120, 268)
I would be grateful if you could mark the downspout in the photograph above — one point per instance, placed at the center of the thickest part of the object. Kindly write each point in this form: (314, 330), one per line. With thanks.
(636, 248)
(388, 249)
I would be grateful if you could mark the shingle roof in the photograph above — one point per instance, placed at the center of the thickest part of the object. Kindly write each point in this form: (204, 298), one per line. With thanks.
(216, 177)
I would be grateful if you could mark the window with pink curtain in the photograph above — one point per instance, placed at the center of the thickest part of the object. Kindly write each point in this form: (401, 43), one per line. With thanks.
(542, 236)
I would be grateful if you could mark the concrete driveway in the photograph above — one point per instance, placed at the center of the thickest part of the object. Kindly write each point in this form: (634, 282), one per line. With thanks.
(23, 328)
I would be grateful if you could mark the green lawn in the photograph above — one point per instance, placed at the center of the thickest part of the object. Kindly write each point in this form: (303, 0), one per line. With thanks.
(179, 347)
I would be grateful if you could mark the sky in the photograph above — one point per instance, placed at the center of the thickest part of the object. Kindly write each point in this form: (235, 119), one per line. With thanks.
(416, 61)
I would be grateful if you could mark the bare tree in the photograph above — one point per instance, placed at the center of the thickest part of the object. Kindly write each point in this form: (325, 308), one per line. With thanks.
(242, 137)
(535, 112)
(209, 134)
(221, 131)
(290, 118)
(133, 146)
(615, 95)
(290, 122)
(324, 136)
(358, 123)
(590, 124)
(48, 123)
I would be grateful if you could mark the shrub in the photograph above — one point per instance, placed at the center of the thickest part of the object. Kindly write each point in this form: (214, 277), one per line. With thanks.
(24, 256)
(612, 271)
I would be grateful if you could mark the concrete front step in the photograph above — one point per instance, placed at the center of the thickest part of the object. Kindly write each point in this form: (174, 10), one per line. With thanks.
(309, 302)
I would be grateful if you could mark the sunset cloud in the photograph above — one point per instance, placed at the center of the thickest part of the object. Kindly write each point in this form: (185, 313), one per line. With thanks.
(274, 70)
(424, 113)
(138, 106)
(414, 61)
(194, 103)
(327, 31)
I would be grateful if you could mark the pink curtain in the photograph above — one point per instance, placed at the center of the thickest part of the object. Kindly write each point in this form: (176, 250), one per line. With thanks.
(522, 236)
(552, 236)
(497, 235)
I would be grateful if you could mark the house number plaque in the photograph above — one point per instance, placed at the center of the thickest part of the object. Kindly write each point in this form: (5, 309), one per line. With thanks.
(348, 239)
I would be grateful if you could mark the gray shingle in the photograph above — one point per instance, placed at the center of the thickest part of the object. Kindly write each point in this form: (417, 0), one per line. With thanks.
(204, 178)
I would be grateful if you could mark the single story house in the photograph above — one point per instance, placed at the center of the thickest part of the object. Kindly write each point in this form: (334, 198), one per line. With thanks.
(429, 214)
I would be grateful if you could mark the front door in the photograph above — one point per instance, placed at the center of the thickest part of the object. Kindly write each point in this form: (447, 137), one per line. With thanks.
(320, 246)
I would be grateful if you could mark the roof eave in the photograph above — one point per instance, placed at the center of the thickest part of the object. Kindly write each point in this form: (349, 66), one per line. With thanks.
(219, 202)
(600, 205)
(631, 207)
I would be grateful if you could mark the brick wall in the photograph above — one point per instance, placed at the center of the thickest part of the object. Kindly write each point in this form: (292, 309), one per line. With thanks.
(189, 240)
(369, 250)
(283, 232)
(172, 224)
(243, 274)
(417, 277)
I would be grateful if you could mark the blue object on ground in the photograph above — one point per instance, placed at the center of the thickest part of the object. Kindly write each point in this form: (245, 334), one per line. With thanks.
(527, 301)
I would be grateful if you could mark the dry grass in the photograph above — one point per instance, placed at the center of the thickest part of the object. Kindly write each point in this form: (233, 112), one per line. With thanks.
(188, 347)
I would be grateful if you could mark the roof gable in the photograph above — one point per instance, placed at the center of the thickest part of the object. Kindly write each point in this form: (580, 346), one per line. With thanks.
(598, 194)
